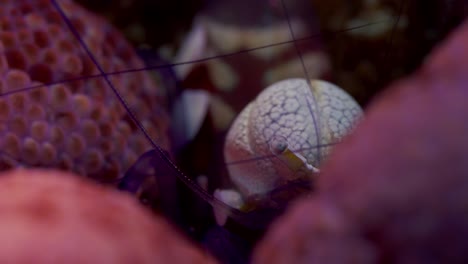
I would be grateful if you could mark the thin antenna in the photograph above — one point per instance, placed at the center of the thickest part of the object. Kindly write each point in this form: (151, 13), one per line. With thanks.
(160, 151)
(394, 28)
(171, 65)
(315, 120)
(254, 159)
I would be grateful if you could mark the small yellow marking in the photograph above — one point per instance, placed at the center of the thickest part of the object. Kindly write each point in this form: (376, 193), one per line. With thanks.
(293, 160)
(296, 161)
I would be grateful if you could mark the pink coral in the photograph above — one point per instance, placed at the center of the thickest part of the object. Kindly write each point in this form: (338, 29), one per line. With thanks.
(397, 189)
(77, 125)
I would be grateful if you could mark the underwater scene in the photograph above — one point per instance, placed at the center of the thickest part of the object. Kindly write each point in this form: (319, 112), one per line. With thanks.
(259, 131)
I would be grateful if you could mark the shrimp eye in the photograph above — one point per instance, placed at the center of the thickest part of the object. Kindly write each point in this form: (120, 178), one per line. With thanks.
(278, 145)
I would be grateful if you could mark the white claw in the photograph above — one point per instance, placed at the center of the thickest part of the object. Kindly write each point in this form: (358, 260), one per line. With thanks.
(229, 197)
(304, 116)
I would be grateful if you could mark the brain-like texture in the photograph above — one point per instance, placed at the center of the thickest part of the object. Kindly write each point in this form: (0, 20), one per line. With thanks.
(77, 125)
(395, 191)
(50, 216)
(293, 114)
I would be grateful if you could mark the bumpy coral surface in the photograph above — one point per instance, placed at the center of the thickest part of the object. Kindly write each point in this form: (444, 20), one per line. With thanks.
(50, 216)
(396, 190)
(77, 125)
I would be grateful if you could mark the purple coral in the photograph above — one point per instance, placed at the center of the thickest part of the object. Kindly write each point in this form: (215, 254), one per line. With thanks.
(396, 190)
(78, 125)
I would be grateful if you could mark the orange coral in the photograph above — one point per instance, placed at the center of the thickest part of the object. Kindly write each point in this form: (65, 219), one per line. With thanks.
(52, 217)
(78, 125)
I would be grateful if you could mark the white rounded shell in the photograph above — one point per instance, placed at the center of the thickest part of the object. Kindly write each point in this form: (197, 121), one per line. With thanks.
(306, 121)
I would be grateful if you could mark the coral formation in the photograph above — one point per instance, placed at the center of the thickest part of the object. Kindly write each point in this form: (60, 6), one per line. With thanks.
(77, 125)
(50, 216)
(396, 189)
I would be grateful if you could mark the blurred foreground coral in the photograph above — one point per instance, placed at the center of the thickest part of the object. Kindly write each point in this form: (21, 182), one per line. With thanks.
(77, 125)
(50, 216)
(396, 190)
